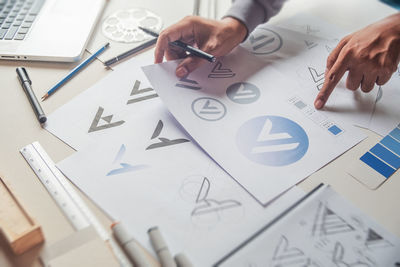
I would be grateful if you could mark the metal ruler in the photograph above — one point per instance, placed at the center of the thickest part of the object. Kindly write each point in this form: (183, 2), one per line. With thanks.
(72, 205)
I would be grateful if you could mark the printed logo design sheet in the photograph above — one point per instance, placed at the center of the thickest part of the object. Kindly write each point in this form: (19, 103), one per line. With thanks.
(173, 185)
(325, 230)
(255, 124)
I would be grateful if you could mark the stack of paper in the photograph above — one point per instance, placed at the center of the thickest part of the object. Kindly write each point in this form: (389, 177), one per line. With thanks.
(225, 161)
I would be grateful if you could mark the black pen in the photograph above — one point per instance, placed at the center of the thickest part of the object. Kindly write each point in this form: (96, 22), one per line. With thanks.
(188, 48)
(26, 85)
(130, 52)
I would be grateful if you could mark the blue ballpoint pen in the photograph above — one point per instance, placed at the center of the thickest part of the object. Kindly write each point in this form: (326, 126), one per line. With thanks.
(75, 71)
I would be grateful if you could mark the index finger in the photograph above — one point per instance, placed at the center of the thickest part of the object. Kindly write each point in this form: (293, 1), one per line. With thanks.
(332, 78)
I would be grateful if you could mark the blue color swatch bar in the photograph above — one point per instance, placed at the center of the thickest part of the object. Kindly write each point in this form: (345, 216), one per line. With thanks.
(395, 133)
(377, 165)
(384, 157)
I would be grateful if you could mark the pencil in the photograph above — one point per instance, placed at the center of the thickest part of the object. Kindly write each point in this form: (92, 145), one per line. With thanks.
(130, 52)
(75, 71)
(188, 48)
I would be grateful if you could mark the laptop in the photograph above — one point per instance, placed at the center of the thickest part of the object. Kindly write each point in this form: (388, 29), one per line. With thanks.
(47, 30)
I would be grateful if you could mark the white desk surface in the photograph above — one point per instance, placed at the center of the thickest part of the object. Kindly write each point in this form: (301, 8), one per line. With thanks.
(20, 127)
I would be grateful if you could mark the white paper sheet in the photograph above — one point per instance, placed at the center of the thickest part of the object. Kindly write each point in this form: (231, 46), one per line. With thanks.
(152, 176)
(302, 57)
(252, 121)
(387, 110)
(105, 108)
(325, 230)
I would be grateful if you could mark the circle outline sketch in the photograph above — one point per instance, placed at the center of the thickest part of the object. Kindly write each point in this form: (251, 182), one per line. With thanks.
(270, 52)
(208, 98)
(248, 134)
(233, 88)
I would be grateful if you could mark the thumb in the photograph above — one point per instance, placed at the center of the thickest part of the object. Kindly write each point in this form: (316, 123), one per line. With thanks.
(188, 65)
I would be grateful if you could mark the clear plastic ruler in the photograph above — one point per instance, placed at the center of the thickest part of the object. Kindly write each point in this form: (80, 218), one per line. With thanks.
(72, 205)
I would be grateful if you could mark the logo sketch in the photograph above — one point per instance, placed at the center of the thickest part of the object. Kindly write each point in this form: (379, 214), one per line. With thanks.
(95, 126)
(208, 109)
(243, 93)
(141, 94)
(162, 140)
(187, 83)
(219, 72)
(272, 140)
(375, 240)
(205, 205)
(125, 167)
(285, 255)
(264, 41)
(338, 258)
(327, 222)
(317, 77)
(310, 44)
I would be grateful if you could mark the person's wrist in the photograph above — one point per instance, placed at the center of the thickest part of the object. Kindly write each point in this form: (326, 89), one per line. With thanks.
(236, 27)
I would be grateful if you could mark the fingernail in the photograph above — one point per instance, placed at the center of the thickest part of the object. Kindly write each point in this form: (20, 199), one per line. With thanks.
(181, 72)
(318, 104)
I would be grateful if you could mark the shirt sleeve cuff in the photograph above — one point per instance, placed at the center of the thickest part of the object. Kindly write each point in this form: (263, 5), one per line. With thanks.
(250, 15)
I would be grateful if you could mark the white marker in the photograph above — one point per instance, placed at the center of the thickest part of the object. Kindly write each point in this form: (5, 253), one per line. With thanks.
(130, 245)
(160, 247)
(182, 261)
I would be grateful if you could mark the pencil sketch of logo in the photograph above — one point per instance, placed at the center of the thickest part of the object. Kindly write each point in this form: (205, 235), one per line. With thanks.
(209, 109)
(208, 210)
(338, 258)
(141, 94)
(263, 41)
(97, 126)
(310, 44)
(327, 222)
(286, 255)
(243, 93)
(317, 77)
(375, 240)
(125, 167)
(272, 140)
(219, 72)
(187, 83)
(162, 141)
(309, 29)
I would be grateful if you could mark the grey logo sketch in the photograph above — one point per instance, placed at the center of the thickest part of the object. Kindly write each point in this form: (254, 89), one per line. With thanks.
(285, 255)
(338, 258)
(310, 44)
(205, 205)
(140, 94)
(243, 93)
(375, 240)
(327, 222)
(264, 41)
(107, 119)
(208, 109)
(309, 30)
(125, 167)
(219, 72)
(162, 140)
(318, 77)
(187, 83)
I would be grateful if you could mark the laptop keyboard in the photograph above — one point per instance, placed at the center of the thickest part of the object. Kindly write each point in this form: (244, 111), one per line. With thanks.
(17, 17)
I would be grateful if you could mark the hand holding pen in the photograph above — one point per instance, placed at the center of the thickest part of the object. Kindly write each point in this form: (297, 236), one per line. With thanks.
(217, 38)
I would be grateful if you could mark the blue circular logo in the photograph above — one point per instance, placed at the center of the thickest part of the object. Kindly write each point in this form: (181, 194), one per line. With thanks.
(272, 140)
